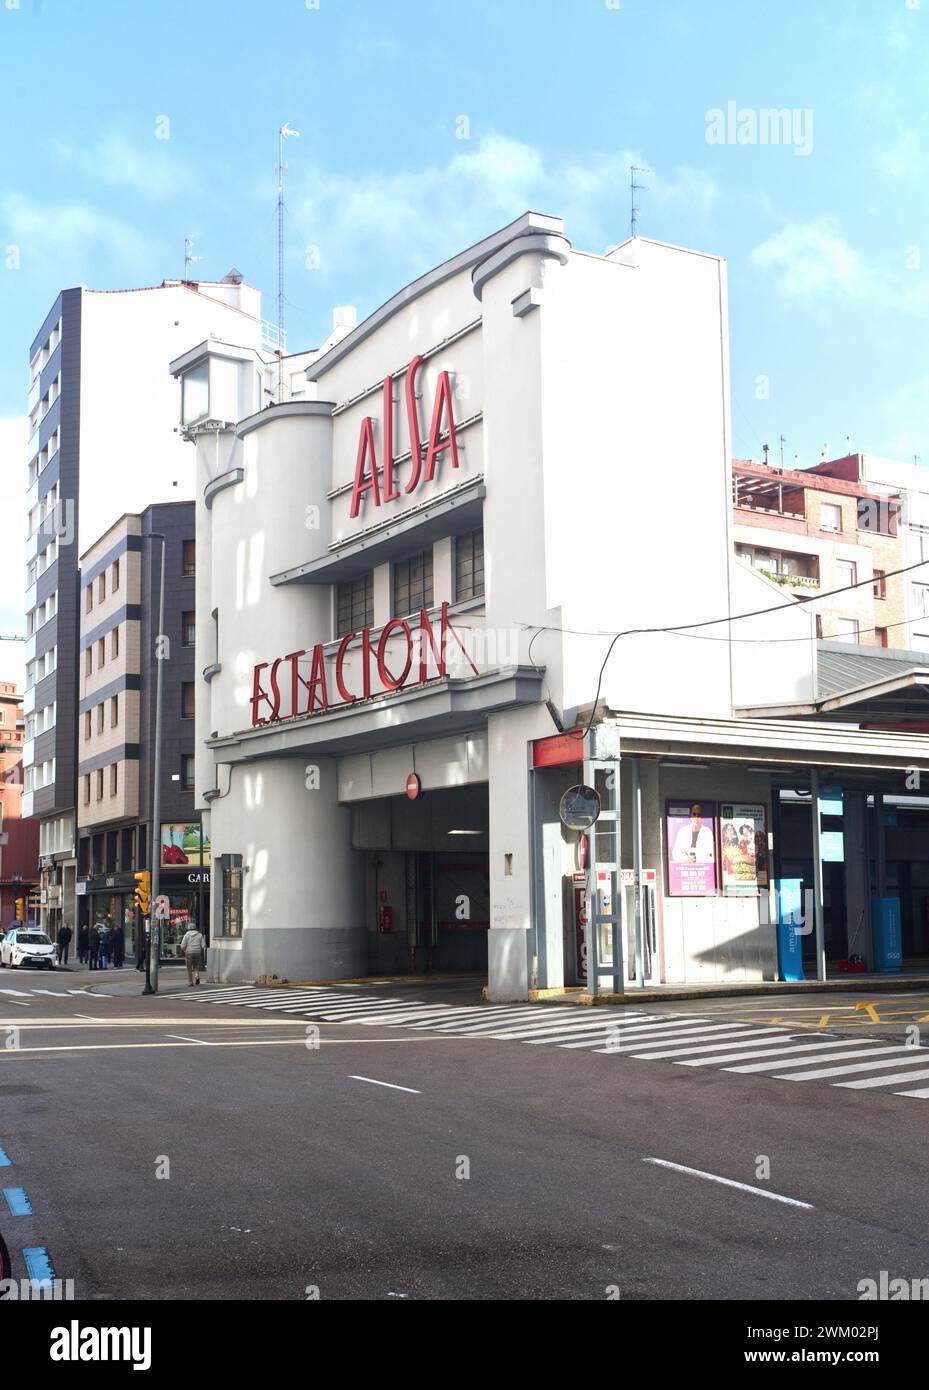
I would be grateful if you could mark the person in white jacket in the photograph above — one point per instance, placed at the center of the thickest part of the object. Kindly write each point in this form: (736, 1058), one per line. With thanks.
(693, 843)
(193, 945)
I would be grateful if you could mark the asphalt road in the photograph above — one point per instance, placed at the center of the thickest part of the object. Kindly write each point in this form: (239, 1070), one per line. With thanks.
(391, 1164)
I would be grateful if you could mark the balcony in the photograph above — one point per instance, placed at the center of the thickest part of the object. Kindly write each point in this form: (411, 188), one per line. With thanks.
(775, 496)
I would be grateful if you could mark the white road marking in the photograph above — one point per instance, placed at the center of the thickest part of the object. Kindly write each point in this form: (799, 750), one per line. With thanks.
(23, 993)
(834, 1056)
(181, 1038)
(860, 1066)
(389, 1084)
(771, 1037)
(885, 1080)
(729, 1182)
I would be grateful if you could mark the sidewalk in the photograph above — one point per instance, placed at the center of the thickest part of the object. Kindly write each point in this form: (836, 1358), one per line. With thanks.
(871, 983)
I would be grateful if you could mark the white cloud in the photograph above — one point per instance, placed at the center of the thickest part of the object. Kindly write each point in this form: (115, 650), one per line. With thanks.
(421, 213)
(13, 436)
(66, 231)
(813, 262)
(149, 169)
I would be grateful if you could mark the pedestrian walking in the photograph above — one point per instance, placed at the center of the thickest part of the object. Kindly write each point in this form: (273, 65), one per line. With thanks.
(83, 944)
(104, 937)
(193, 946)
(63, 943)
(93, 946)
(118, 946)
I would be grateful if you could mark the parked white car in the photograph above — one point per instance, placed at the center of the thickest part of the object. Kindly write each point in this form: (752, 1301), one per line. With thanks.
(26, 946)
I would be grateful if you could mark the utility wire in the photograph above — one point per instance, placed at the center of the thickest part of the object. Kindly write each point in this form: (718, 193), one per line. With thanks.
(683, 628)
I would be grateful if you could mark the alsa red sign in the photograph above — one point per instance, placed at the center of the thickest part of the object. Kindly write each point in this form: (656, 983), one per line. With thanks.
(440, 439)
(311, 694)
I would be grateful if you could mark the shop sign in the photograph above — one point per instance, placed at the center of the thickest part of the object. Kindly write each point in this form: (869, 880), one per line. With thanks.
(439, 442)
(184, 845)
(690, 835)
(203, 876)
(743, 843)
(310, 695)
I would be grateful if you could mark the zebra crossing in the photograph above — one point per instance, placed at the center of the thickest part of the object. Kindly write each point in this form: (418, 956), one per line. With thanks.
(747, 1049)
(58, 993)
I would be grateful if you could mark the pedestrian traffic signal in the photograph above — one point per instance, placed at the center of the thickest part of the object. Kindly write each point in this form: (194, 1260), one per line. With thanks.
(20, 909)
(143, 889)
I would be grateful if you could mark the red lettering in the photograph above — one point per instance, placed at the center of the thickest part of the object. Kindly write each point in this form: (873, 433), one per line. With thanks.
(275, 702)
(258, 694)
(438, 654)
(366, 661)
(316, 685)
(390, 495)
(296, 680)
(412, 419)
(362, 484)
(389, 681)
(346, 694)
(436, 446)
(446, 629)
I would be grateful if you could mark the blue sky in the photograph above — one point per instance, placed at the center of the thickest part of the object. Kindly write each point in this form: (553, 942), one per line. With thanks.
(828, 250)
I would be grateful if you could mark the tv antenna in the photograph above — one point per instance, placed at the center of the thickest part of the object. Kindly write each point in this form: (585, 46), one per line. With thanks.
(285, 133)
(782, 441)
(633, 189)
(188, 258)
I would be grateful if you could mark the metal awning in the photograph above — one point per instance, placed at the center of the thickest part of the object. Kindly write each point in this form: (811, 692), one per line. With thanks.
(860, 685)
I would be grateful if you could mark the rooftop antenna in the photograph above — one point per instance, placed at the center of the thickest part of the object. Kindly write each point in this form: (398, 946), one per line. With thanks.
(188, 258)
(782, 442)
(765, 448)
(633, 189)
(848, 444)
(825, 453)
(283, 134)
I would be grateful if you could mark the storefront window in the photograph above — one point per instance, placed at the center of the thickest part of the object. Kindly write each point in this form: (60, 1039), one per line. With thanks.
(184, 915)
(232, 901)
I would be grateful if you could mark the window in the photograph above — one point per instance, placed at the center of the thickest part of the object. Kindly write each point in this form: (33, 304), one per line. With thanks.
(100, 784)
(196, 394)
(89, 598)
(89, 662)
(819, 625)
(114, 643)
(114, 778)
(412, 584)
(355, 604)
(879, 515)
(845, 574)
(190, 559)
(469, 566)
(114, 711)
(100, 718)
(187, 772)
(846, 629)
(101, 653)
(101, 587)
(187, 700)
(880, 586)
(188, 629)
(921, 599)
(830, 517)
(87, 725)
(880, 637)
(87, 790)
(115, 583)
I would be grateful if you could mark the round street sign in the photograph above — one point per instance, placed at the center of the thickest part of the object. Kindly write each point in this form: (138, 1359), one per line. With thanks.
(579, 808)
(162, 907)
(414, 787)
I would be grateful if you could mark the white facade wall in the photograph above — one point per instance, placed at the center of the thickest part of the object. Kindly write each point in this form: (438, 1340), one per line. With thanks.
(591, 400)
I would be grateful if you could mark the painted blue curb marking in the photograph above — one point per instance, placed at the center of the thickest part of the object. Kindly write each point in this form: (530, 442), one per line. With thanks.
(5, 1160)
(17, 1201)
(38, 1264)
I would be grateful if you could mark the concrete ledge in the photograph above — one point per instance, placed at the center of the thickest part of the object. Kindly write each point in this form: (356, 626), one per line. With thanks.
(846, 984)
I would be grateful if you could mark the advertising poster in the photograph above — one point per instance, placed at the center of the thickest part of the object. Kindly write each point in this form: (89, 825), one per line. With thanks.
(182, 846)
(690, 828)
(743, 843)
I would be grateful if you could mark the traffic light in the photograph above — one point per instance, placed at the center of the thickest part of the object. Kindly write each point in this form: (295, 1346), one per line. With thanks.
(20, 909)
(143, 891)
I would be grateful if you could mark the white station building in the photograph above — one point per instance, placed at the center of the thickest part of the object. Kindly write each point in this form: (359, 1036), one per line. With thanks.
(410, 571)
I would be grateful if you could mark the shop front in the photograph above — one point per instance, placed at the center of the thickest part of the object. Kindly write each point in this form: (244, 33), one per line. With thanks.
(110, 900)
(185, 881)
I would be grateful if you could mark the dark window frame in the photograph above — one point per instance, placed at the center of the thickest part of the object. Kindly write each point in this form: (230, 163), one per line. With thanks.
(354, 604)
(469, 565)
(412, 584)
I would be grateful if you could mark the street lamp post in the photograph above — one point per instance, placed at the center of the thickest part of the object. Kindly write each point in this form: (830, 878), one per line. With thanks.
(154, 942)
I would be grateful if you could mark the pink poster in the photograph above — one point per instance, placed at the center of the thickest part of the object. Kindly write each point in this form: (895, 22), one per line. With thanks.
(690, 827)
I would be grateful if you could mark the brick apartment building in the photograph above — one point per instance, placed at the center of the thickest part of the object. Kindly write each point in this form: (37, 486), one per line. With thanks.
(811, 532)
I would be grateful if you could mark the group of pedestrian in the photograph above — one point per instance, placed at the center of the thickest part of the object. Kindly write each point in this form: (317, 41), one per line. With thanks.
(101, 946)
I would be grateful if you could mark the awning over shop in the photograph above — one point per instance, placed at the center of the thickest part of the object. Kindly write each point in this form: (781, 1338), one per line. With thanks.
(863, 686)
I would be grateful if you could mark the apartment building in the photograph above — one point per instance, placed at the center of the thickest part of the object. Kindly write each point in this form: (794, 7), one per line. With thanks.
(120, 649)
(103, 441)
(910, 482)
(19, 839)
(812, 533)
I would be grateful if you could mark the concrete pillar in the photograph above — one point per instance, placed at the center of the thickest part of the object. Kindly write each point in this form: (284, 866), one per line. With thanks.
(857, 876)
